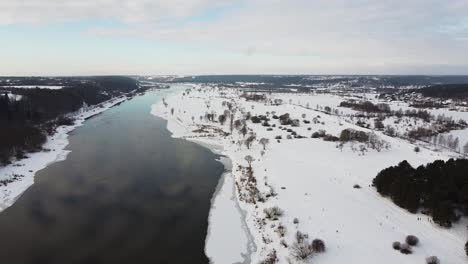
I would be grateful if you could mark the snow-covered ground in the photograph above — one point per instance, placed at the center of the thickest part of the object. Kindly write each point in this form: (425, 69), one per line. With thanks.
(52, 87)
(25, 169)
(309, 179)
(333, 101)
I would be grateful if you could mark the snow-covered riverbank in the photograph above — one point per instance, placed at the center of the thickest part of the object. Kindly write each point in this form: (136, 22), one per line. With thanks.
(23, 171)
(311, 180)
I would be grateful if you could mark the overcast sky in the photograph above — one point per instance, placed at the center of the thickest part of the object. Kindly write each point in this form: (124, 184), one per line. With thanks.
(83, 37)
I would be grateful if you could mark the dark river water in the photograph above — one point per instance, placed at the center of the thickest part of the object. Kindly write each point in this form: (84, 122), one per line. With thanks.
(127, 193)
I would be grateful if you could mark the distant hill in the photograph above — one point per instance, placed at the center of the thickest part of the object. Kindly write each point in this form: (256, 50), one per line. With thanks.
(448, 91)
(278, 81)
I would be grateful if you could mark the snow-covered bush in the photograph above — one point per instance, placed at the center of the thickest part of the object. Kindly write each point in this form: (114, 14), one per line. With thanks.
(405, 249)
(273, 212)
(301, 250)
(283, 243)
(412, 240)
(318, 245)
(466, 248)
(271, 258)
(281, 230)
(432, 260)
(396, 245)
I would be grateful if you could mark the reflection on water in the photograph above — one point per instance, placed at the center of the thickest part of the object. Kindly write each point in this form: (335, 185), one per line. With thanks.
(128, 193)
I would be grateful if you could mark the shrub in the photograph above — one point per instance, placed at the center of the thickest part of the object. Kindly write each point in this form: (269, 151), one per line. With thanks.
(330, 138)
(301, 250)
(283, 243)
(417, 149)
(278, 137)
(296, 221)
(64, 121)
(405, 249)
(318, 245)
(396, 245)
(466, 248)
(412, 240)
(255, 119)
(432, 260)
(350, 134)
(273, 212)
(285, 120)
(271, 258)
(281, 230)
(300, 237)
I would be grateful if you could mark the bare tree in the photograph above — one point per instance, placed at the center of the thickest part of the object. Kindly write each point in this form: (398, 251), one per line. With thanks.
(238, 124)
(231, 120)
(465, 148)
(264, 142)
(222, 119)
(442, 140)
(244, 130)
(249, 160)
(249, 140)
(455, 144)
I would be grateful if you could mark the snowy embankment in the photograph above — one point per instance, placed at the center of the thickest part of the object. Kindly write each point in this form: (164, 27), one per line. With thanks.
(50, 87)
(23, 171)
(312, 181)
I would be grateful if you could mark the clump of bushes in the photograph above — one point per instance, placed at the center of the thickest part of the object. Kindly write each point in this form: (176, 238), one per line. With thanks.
(350, 134)
(302, 249)
(273, 213)
(285, 119)
(271, 258)
(405, 249)
(323, 134)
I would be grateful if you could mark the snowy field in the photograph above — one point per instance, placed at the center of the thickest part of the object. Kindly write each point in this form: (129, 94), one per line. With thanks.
(55, 151)
(334, 101)
(312, 181)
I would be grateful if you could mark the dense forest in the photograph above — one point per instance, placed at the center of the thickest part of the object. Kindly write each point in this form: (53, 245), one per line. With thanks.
(440, 188)
(26, 122)
(448, 91)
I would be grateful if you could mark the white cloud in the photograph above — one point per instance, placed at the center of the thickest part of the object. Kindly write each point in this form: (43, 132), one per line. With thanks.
(327, 34)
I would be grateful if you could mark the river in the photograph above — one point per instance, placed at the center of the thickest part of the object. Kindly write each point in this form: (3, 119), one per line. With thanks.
(127, 193)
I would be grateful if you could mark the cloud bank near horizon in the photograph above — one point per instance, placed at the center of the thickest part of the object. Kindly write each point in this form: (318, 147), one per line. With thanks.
(244, 36)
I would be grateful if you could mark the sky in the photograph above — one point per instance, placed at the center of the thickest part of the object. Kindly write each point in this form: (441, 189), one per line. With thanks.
(192, 37)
